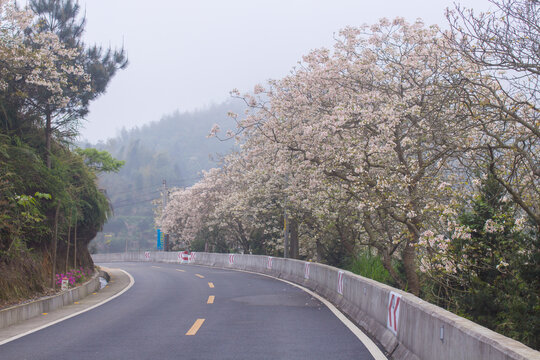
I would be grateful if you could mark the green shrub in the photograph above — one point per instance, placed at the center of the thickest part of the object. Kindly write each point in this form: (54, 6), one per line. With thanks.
(370, 266)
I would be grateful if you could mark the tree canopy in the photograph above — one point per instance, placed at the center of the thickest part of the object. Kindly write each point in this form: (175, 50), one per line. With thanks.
(412, 144)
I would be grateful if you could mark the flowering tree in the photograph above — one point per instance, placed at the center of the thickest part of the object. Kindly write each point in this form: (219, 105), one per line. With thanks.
(76, 74)
(504, 102)
(39, 73)
(223, 207)
(379, 118)
(395, 141)
(188, 210)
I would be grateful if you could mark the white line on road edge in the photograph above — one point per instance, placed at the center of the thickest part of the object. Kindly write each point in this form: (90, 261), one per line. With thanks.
(368, 343)
(131, 282)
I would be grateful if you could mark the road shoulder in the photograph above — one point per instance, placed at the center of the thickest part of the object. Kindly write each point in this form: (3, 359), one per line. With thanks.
(120, 282)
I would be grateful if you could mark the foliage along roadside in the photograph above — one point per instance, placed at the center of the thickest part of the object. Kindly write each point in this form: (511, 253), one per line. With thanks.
(27, 227)
(51, 206)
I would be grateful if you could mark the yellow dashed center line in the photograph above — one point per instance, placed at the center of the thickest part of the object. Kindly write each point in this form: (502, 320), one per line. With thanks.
(195, 327)
(211, 299)
(199, 275)
(180, 270)
(210, 284)
(44, 313)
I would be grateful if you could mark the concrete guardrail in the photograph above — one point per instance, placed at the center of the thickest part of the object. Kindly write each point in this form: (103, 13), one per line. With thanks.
(406, 326)
(18, 313)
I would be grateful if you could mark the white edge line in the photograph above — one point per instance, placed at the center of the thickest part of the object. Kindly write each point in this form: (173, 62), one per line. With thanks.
(366, 340)
(368, 343)
(131, 282)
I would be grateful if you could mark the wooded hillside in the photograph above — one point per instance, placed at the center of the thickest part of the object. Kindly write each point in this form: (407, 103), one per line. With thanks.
(175, 149)
(50, 203)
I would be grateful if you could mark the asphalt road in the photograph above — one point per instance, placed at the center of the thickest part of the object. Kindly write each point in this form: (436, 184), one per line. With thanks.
(191, 312)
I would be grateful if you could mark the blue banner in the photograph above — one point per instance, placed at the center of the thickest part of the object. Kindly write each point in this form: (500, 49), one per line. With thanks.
(159, 242)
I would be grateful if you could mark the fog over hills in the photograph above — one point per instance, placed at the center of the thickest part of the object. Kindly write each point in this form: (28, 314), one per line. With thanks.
(175, 149)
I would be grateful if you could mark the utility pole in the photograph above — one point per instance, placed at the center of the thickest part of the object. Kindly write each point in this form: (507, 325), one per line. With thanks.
(164, 204)
(285, 223)
(128, 233)
(164, 195)
(286, 230)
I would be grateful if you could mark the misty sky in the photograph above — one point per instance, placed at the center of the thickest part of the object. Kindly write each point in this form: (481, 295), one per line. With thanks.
(185, 55)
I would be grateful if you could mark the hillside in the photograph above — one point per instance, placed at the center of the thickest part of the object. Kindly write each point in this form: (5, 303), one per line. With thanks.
(175, 149)
(50, 204)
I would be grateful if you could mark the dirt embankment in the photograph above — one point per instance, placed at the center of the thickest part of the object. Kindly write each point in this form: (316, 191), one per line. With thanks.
(27, 275)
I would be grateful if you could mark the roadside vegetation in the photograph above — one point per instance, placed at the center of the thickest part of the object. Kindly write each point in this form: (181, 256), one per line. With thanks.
(50, 204)
(406, 153)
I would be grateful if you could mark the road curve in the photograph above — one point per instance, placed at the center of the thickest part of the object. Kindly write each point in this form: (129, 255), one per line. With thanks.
(191, 312)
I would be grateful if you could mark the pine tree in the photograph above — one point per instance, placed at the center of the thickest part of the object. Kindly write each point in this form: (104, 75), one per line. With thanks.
(499, 283)
(61, 17)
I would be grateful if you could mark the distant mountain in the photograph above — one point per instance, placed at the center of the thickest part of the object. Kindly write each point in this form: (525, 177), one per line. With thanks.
(175, 149)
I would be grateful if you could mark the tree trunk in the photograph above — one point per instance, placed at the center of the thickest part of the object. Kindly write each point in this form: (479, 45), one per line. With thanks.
(295, 250)
(387, 263)
(48, 131)
(320, 250)
(75, 245)
(409, 258)
(243, 239)
(67, 246)
(345, 239)
(55, 242)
